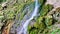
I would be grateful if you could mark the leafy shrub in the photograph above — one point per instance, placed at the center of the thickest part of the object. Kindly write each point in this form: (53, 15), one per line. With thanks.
(43, 20)
(45, 9)
(48, 20)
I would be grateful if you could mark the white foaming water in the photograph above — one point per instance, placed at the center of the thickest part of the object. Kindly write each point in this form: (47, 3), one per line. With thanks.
(24, 28)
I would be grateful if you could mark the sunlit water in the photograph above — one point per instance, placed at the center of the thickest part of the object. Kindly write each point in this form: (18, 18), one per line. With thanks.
(24, 28)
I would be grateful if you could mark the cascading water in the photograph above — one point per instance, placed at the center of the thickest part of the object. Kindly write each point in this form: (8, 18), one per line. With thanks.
(24, 28)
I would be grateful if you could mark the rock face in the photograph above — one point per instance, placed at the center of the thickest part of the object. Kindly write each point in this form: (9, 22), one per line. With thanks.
(55, 3)
(4, 4)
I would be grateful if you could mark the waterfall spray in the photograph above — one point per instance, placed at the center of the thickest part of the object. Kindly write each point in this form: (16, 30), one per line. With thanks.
(24, 28)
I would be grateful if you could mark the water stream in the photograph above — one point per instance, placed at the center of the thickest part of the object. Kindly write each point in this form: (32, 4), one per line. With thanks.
(24, 27)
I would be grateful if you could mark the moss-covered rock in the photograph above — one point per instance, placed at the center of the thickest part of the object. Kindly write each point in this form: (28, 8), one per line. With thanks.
(39, 24)
(45, 9)
(56, 14)
(1, 15)
(9, 14)
(48, 20)
(34, 31)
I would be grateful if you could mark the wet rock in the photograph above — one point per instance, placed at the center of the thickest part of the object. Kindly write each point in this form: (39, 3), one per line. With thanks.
(56, 14)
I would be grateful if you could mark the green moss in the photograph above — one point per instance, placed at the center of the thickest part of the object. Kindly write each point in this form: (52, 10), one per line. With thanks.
(45, 9)
(56, 31)
(1, 15)
(46, 31)
(9, 14)
(22, 15)
(43, 20)
(34, 31)
(29, 2)
(50, 7)
(42, 1)
(20, 8)
(39, 24)
(48, 20)
(29, 28)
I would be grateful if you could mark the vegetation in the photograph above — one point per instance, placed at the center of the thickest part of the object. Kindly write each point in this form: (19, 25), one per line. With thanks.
(11, 16)
(43, 21)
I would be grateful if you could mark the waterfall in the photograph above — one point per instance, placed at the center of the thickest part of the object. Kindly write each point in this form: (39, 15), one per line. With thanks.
(24, 28)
